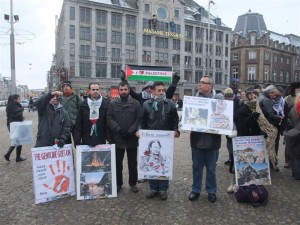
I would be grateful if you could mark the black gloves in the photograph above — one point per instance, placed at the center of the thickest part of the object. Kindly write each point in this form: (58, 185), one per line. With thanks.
(124, 132)
(122, 75)
(61, 143)
(255, 115)
(175, 79)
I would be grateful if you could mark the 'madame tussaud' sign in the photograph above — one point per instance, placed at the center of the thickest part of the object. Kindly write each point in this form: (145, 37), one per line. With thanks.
(163, 33)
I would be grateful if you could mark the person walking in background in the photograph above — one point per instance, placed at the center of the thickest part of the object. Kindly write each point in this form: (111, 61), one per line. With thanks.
(123, 118)
(31, 104)
(14, 113)
(54, 123)
(159, 113)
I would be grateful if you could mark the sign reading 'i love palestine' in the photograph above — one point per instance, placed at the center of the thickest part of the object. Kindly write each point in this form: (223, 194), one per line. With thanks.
(149, 73)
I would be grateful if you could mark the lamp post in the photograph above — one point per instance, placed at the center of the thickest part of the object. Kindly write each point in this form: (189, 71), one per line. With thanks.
(208, 37)
(11, 19)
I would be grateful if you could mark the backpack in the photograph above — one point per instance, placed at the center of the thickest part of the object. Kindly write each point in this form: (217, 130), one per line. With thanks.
(255, 194)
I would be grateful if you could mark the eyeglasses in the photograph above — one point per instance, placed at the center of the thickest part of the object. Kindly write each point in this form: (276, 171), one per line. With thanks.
(202, 82)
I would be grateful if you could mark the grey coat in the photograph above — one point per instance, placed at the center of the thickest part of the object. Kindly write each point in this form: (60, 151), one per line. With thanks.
(53, 124)
(124, 115)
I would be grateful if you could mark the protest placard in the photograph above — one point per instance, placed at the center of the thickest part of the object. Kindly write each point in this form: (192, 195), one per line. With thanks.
(53, 173)
(149, 73)
(251, 160)
(207, 115)
(96, 172)
(156, 154)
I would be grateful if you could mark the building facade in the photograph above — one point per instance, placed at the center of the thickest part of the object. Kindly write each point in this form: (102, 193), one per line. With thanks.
(261, 56)
(96, 39)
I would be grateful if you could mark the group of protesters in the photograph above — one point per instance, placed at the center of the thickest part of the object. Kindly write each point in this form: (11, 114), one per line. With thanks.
(97, 120)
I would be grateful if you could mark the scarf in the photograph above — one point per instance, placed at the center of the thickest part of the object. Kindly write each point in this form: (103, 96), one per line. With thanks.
(251, 104)
(94, 106)
(157, 99)
(278, 106)
(146, 95)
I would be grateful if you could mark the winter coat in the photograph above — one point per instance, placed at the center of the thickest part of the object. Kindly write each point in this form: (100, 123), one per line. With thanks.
(71, 105)
(292, 114)
(166, 118)
(124, 115)
(293, 143)
(83, 125)
(53, 123)
(205, 140)
(266, 105)
(14, 112)
(246, 125)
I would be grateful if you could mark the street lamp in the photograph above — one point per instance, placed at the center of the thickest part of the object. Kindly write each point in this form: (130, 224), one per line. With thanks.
(208, 37)
(12, 46)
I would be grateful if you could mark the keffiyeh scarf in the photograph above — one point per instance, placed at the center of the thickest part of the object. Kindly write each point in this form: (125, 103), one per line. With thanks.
(94, 106)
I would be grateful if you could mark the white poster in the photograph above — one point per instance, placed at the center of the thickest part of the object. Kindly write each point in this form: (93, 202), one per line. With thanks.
(155, 160)
(96, 172)
(207, 115)
(53, 173)
(251, 160)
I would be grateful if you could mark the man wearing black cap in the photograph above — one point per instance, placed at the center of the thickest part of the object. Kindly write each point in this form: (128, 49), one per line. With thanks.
(70, 102)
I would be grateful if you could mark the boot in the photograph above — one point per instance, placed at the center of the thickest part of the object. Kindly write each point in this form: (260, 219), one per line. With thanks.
(19, 158)
(7, 155)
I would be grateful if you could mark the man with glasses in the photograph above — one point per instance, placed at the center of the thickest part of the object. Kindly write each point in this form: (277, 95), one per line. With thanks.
(90, 126)
(205, 149)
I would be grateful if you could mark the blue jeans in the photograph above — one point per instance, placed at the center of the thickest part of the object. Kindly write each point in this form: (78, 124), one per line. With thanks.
(159, 185)
(207, 158)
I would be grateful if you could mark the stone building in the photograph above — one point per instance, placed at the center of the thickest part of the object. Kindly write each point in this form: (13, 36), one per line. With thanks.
(261, 56)
(96, 39)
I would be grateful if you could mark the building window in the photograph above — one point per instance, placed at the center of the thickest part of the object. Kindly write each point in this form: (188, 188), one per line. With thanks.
(275, 58)
(187, 60)
(199, 33)
(85, 50)
(226, 38)
(116, 53)
(85, 69)
(188, 75)
(288, 61)
(176, 44)
(219, 50)
(281, 59)
(219, 36)
(274, 76)
(147, 40)
(146, 56)
(281, 77)
(226, 65)
(130, 21)
(161, 57)
(146, 24)
(267, 55)
(72, 49)
(101, 17)
(252, 55)
(198, 62)
(235, 73)
(189, 31)
(85, 15)
(251, 73)
(218, 63)
(176, 59)
(72, 13)
(147, 8)
(226, 51)
(198, 47)
(72, 31)
(101, 35)
(130, 39)
(101, 70)
(161, 42)
(218, 78)
(188, 46)
(266, 73)
(116, 20)
(252, 40)
(115, 70)
(176, 13)
(116, 37)
(177, 29)
(85, 33)
(296, 77)
(287, 77)
(235, 56)
(72, 69)
(198, 76)
(161, 26)
(100, 51)
(130, 54)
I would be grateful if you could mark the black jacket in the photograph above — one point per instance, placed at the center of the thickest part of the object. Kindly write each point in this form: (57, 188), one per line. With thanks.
(124, 115)
(166, 118)
(53, 124)
(14, 112)
(83, 125)
(266, 105)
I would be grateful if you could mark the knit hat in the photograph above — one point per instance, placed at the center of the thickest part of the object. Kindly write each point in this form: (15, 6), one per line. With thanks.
(228, 93)
(66, 82)
(149, 84)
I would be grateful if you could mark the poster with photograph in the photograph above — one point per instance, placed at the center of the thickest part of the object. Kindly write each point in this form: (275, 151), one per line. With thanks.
(207, 115)
(155, 158)
(96, 172)
(251, 160)
(53, 173)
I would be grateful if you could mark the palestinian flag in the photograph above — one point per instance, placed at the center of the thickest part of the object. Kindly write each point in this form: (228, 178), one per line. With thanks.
(149, 73)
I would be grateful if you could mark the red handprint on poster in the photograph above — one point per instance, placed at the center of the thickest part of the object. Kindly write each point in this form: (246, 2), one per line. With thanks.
(62, 182)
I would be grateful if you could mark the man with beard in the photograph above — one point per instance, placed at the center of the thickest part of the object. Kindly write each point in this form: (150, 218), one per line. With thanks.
(159, 113)
(122, 119)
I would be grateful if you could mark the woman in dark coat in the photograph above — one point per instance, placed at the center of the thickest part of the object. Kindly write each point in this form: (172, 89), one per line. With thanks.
(14, 113)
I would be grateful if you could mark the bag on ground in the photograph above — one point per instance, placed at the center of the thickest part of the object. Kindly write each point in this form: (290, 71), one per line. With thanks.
(21, 133)
(255, 194)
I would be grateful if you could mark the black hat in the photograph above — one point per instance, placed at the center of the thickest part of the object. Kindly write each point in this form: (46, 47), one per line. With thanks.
(66, 82)
(294, 85)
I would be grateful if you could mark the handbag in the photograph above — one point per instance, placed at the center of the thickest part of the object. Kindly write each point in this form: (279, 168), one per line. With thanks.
(255, 194)
(292, 133)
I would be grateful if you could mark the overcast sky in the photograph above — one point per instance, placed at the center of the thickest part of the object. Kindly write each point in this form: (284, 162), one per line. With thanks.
(37, 20)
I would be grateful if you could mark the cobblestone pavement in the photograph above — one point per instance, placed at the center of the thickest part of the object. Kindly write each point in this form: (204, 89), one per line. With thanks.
(18, 207)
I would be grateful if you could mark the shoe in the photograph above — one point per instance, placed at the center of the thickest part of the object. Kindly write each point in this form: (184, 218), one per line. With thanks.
(142, 180)
(152, 194)
(212, 197)
(275, 168)
(119, 187)
(163, 195)
(193, 196)
(286, 165)
(20, 159)
(6, 157)
(230, 189)
(134, 188)
(227, 162)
